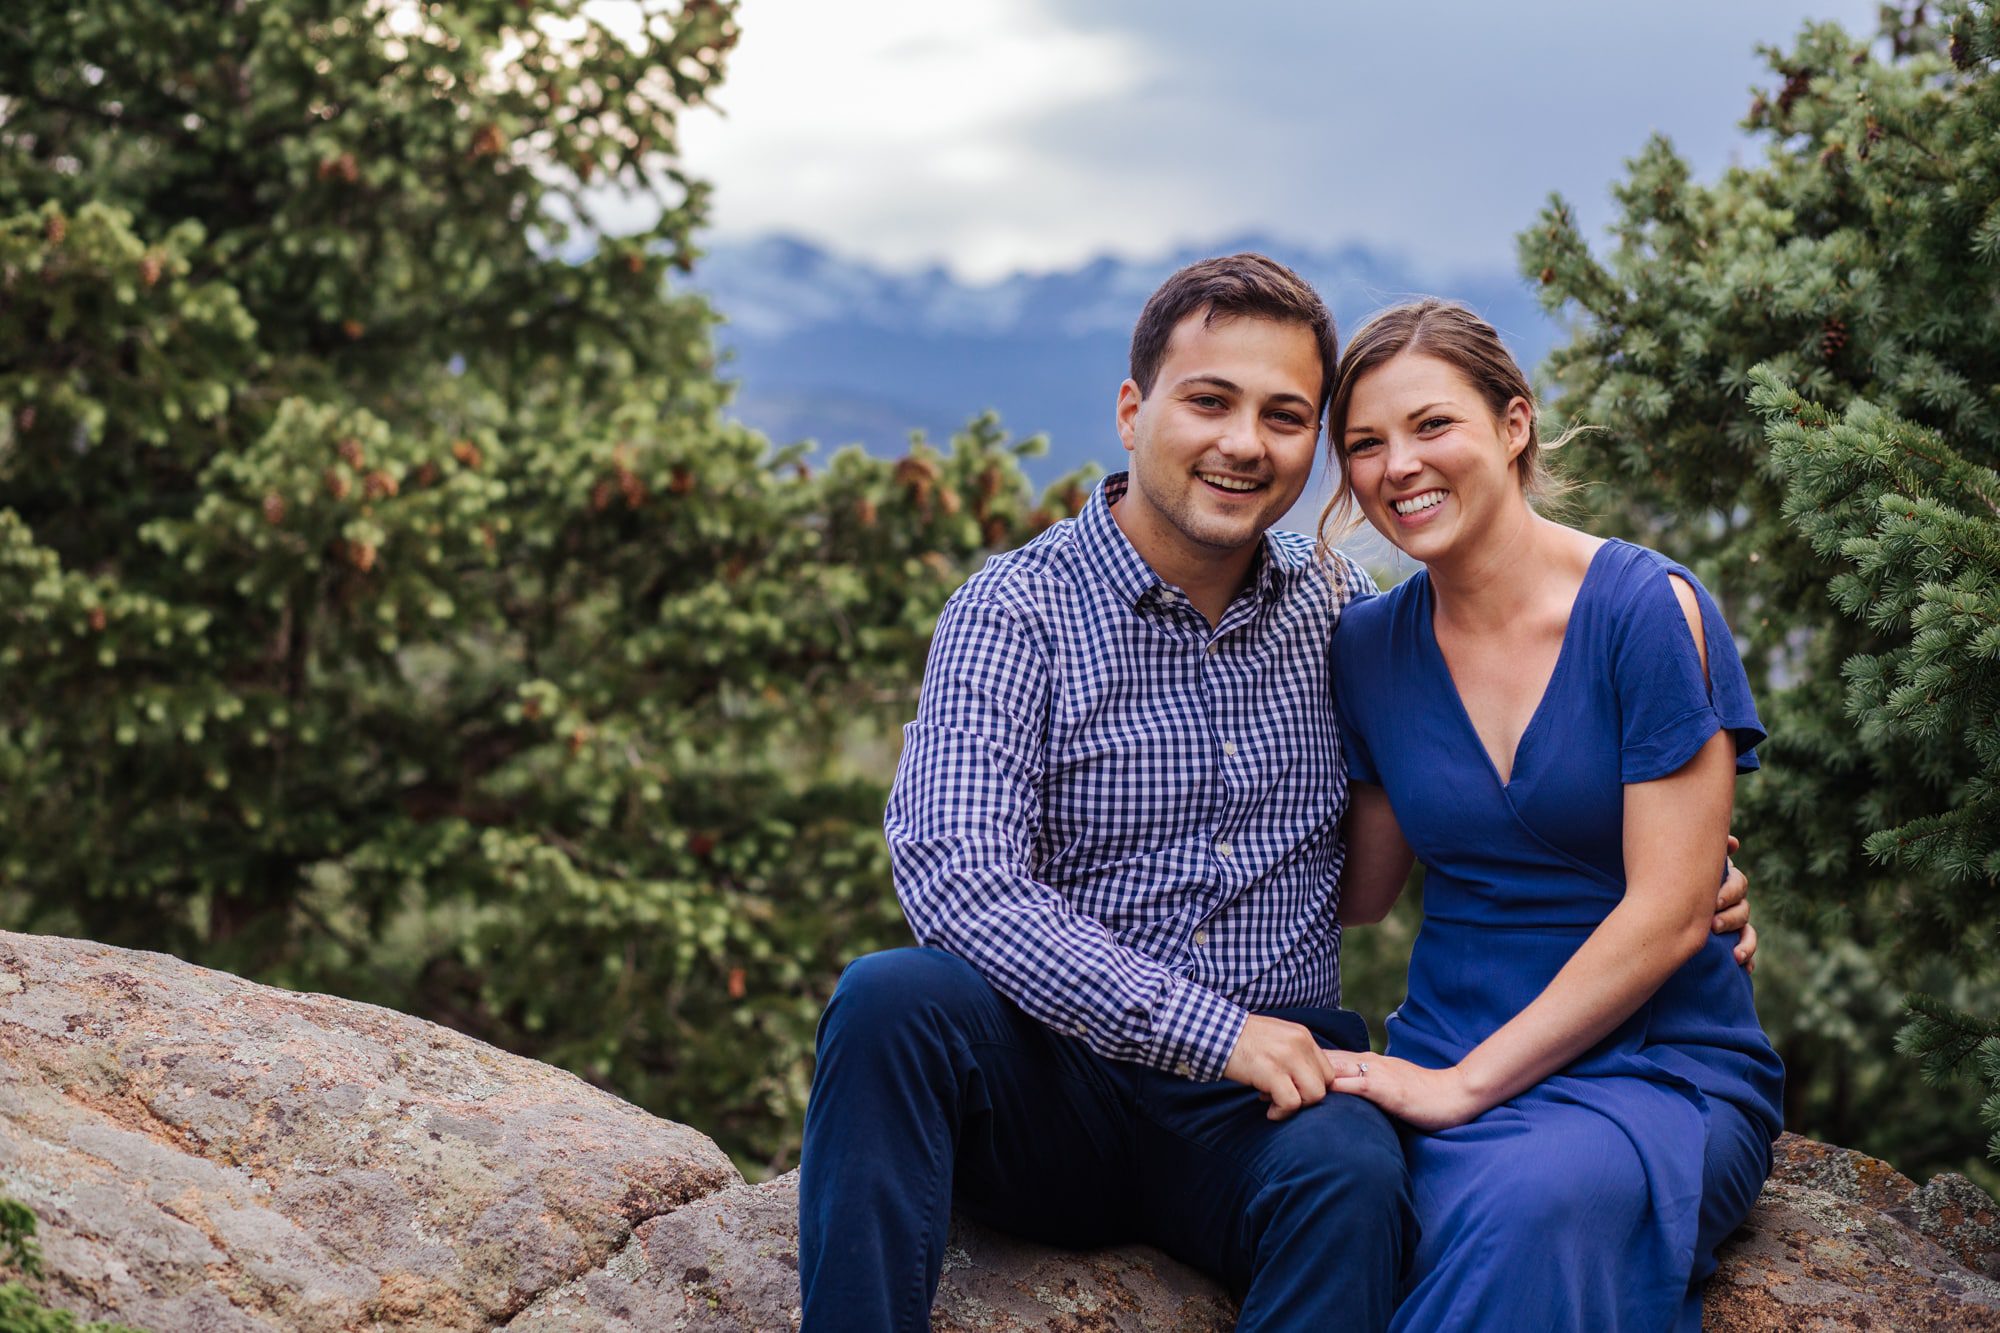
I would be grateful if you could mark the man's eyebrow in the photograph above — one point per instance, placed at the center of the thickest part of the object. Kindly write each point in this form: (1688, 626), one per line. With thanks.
(1231, 386)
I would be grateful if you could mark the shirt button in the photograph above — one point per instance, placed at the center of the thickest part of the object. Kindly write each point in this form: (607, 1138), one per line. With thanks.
(1222, 849)
(1200, 938)
(1229, 749)
(1214, 648)
(1184, 1069)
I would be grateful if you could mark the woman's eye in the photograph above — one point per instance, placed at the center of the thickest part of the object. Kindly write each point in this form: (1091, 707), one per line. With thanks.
(1361, 446)
(1435, 423)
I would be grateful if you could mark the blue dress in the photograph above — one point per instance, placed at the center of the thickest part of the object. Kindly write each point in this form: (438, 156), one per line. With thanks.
(1594, 1200)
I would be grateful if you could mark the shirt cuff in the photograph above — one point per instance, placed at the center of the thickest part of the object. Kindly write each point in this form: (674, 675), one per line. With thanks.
(1197, 1030)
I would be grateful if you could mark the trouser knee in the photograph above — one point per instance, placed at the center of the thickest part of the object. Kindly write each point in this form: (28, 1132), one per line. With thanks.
(888, 1001)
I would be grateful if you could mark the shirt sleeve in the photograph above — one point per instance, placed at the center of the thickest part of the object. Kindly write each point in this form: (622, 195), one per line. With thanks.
(962, 823)
(1667, 709)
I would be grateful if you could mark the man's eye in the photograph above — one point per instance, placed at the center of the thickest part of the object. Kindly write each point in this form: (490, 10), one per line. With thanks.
(1288, 418)
(1206, 400)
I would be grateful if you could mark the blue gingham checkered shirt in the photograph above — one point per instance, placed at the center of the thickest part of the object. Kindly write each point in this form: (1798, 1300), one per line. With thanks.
(1129, 823)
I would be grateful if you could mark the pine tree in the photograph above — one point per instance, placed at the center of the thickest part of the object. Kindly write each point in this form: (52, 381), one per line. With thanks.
(389, 607)
(1794, 370)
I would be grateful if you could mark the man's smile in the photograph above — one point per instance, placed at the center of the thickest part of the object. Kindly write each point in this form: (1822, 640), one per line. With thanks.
(1223, 481)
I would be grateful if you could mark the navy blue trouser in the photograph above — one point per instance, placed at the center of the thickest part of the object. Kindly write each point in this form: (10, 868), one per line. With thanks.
(932, 1089)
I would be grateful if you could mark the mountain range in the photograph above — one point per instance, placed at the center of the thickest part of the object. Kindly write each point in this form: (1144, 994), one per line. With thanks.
(839, 350)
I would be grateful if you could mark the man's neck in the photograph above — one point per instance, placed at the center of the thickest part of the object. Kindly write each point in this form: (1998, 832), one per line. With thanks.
(1211, 579)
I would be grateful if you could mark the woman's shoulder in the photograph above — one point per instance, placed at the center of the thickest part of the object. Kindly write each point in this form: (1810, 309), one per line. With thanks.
(1640, 581)
(1373, 618)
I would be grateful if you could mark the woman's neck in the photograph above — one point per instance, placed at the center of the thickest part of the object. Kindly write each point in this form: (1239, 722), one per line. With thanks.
(1499, 579)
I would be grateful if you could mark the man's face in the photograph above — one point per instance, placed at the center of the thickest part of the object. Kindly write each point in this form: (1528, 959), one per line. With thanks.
(1223, 444)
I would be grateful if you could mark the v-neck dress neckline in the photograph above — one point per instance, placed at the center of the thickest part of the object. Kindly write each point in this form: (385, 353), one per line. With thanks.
(1564, 653)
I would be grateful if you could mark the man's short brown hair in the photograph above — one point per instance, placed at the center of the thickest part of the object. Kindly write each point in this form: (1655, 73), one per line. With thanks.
(1231, 287)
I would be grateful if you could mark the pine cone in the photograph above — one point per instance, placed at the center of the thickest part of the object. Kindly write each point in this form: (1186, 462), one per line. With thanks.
(56, 229)
(1832, 337)
(466, 452)
(632, 488)
(274, 509)
(918, 475)
(1797, 84)
(350, 453)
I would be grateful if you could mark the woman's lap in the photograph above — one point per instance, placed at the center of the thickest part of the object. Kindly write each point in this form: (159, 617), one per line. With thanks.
(1541, 1206)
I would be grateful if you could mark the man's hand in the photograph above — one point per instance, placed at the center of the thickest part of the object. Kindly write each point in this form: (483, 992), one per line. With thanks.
(1732, 913)
(1280, 1060)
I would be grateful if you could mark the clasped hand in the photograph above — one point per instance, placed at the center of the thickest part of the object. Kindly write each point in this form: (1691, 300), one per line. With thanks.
(1286, 1065)
(1428, 1099)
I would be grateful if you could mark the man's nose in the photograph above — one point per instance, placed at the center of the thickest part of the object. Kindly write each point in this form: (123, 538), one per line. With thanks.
(1241, 437)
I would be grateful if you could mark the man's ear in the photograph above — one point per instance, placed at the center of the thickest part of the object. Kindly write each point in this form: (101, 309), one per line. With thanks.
(1129, 398)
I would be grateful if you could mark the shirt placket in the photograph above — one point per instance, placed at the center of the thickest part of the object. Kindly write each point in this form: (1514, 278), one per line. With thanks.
(1222, 653)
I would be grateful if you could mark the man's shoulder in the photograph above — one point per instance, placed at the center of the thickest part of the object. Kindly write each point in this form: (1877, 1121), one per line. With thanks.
(1028, 581)
(1333, 578)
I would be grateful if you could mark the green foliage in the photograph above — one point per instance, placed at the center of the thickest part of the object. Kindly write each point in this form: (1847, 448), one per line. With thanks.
(1792, 367)
(389, 608)
(21, 1311)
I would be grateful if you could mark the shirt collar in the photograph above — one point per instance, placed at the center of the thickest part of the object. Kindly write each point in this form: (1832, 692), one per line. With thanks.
(1111, 555)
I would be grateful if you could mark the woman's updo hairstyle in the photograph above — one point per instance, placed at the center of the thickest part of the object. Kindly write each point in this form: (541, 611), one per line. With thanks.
(1462, 340)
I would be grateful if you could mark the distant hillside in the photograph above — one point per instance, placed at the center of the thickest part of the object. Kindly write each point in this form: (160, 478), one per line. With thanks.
(840, 351)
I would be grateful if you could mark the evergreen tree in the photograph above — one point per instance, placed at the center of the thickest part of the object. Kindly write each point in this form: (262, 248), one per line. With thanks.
(1794, 370)
(389, 608)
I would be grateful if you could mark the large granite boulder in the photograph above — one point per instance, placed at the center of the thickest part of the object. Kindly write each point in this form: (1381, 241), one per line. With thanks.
(209, 1154)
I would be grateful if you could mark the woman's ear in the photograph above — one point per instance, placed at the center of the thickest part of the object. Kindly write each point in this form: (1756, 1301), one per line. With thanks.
(1517, 423)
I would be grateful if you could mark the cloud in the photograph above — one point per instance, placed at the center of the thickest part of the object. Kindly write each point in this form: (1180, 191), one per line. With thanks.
(997, 134)
(901, 128)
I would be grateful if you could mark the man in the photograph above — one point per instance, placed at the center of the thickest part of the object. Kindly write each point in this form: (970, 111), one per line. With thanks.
(1115, 829)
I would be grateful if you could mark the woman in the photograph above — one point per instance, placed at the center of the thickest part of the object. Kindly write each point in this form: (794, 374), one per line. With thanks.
(1554, 724)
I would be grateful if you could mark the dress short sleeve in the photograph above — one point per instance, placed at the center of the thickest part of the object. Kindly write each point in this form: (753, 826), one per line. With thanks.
(1667, 710)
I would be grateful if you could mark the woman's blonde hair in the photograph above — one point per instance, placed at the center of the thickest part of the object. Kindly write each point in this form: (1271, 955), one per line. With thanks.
(1468, 344)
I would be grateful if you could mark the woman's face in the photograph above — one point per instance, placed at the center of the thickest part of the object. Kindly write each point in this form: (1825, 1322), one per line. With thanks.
(1430, 465)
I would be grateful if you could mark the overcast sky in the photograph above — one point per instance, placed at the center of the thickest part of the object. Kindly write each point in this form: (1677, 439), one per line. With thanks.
(991, 135)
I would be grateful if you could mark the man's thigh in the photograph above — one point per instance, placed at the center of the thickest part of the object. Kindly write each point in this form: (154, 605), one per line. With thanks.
(1045, 1147)
(1212, 1171)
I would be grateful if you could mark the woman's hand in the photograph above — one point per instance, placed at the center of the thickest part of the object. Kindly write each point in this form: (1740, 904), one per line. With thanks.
(1430, 1099)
